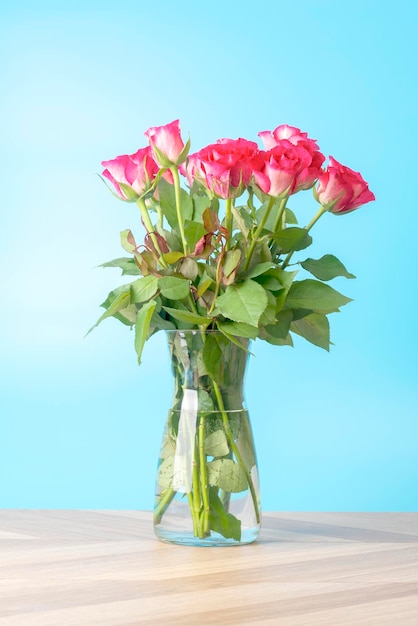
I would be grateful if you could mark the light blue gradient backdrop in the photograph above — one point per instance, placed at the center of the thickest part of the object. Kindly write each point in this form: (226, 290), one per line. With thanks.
(80, 423)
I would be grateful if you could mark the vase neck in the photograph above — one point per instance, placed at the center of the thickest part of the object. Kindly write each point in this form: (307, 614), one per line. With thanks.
(209, 364)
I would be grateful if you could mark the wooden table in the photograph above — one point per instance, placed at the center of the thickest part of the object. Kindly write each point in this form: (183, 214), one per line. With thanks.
(105, 568)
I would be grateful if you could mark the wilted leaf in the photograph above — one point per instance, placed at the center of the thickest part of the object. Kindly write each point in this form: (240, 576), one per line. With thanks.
(127, 241)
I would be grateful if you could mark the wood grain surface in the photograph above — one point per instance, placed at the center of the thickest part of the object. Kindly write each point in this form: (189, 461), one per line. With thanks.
(105, 568)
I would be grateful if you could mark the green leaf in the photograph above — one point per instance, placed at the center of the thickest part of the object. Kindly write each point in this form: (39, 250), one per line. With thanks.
(200, 203)
(174, 288)
(189, 268)
(243, 302)
(312, 294)
(239, 329)
(314, 328)
(204, 284)
(193, 232)
(188, 317)
(213, 357)
(119, 303)
(269, 315)
(216, 444)
(292, 239)
(142, 326)
(275, 341)
(127, 241)
(173, 257)
(231, 261)
(280, 329)
(161, 324)
(144, 288)
(257, 270)
(227, 475)
(165, 472)
(290, 216)
(326, 268)
(204, 400)
(220, 521)
(126, 264)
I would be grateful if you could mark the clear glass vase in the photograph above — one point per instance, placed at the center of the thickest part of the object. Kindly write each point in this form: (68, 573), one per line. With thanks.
(207, 490)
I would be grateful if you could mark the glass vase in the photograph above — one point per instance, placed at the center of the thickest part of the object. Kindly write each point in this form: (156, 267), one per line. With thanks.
(207, 489)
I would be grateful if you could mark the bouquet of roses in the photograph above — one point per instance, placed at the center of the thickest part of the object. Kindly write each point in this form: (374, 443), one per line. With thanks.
(229, 268)
(218, 255)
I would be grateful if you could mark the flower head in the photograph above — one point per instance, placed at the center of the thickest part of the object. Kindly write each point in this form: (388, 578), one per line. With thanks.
(167, 145)
(290, 152)
(136, 170)
(225, 167)
(342, 189)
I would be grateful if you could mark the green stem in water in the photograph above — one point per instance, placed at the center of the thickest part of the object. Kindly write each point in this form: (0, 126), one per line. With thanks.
(313, 221)
(196, 498)
(165, 499)
(257, 233)
(176, 180)
(203, 477)
(235, 450)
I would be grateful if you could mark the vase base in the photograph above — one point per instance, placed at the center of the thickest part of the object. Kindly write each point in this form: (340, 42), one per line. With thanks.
(215, 540)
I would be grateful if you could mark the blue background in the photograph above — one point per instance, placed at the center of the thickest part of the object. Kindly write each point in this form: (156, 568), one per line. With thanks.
(80, 423)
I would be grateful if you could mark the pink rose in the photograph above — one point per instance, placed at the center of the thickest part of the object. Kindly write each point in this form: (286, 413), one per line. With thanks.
(306, 151)
(286, 168)
(271, 138)
(224, 167)
(342, 189)
(166, 143)
(136, 170)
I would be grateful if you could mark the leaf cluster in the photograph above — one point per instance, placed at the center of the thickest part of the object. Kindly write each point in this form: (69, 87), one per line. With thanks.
(223, 267)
